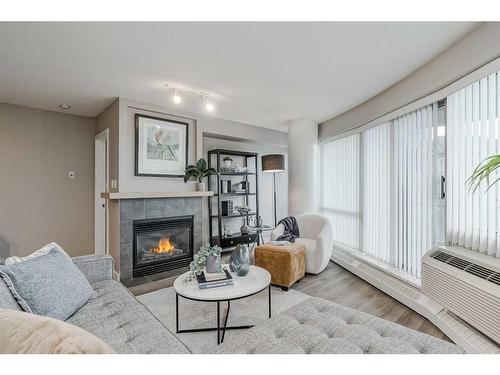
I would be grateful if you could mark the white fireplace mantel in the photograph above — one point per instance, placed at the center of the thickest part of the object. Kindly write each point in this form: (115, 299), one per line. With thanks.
(159, 194)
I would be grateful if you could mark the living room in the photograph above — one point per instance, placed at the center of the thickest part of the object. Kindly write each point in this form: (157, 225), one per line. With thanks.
(249, 187)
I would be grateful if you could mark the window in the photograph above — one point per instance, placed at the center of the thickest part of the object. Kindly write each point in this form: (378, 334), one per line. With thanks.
(340, 189)
(473, 220)
(393, 201)
(376, 192)
(413, 170)
(393, 190)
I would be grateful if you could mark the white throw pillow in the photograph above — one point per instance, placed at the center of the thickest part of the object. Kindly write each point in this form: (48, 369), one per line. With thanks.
(43, 251)
(24, 333)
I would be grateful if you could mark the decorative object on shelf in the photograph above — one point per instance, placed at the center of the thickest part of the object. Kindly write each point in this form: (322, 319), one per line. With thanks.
(239, 169)
(241, 187)
(161, 146)
(228, 230)
(245, 229)
(257, 221)
(240, 260)
(243, 209)
(227, 161)
(225, 186)
(200, 261)
(273, 163)
(198, 172)
(227, 208)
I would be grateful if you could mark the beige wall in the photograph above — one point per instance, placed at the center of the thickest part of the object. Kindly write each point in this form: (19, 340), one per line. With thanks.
(476, 49)
(38, 202)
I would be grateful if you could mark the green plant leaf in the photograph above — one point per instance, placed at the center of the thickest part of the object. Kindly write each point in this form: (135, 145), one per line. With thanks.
(483, 172)
(201, 164)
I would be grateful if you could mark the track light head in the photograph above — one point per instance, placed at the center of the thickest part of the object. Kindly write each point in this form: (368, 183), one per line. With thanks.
(176, 98)
(208, 105)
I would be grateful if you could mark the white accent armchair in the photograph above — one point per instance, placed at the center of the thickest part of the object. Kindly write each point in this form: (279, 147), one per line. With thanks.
(316, 235)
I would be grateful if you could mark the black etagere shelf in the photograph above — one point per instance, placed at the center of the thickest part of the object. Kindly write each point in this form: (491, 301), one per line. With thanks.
(250, 197)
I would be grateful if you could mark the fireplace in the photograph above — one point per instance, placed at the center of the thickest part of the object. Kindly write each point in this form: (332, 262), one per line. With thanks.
(162, 244)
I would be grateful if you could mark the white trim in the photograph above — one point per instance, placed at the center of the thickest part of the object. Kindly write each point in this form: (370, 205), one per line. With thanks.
(391, 271)
(429, 98)
(104, 136)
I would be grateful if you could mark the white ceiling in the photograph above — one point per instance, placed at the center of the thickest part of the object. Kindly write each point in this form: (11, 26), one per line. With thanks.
(263, 74)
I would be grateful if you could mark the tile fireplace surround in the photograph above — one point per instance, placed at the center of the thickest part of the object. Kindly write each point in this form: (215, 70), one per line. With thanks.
(144, 208)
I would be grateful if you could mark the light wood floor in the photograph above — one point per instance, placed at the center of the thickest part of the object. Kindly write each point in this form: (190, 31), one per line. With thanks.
(341, 286)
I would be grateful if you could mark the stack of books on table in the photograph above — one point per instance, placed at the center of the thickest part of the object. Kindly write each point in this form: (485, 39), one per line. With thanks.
(208, 280)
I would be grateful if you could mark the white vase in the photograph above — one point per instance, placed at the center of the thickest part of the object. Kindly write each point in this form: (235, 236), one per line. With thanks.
(227, 163)
(200, 186)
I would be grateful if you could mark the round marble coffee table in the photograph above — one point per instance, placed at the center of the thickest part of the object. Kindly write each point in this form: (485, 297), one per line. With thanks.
(257, 280)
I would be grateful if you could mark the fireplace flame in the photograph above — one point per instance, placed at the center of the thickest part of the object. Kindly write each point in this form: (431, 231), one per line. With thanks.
(165, 245)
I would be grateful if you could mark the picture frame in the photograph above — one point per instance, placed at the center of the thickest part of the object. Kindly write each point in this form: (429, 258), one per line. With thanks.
(161, 146)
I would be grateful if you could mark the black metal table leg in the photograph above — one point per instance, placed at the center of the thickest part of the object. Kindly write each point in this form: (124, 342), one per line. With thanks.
(269, 300)
(225, 321)
(218, 322)
(176, 312)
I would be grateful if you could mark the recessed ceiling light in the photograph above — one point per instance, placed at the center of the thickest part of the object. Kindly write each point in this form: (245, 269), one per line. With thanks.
(64, 106)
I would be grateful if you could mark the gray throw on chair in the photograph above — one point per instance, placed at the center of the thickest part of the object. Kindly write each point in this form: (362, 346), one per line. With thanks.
(291, 231)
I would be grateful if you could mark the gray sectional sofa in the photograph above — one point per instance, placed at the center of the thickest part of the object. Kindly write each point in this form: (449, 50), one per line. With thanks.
(313, 326)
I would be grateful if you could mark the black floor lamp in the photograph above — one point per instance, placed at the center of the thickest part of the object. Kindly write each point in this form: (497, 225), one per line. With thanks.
(271, 164)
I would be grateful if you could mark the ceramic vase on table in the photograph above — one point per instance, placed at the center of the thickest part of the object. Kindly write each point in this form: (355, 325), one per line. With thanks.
(211, 264)
(240, 260)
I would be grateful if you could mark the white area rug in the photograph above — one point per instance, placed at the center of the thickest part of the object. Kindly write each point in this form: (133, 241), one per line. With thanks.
(193, 314)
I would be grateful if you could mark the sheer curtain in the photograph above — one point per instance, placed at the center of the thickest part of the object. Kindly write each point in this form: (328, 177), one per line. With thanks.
(413, 188)
(473, 220)
(340, 188)
(376, 166)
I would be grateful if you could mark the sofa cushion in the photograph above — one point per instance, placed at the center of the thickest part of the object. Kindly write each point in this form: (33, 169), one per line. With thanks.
(319, 326)
(120, 320)
(24, 333)
(49, 285)
(7, 300)
(43, 251)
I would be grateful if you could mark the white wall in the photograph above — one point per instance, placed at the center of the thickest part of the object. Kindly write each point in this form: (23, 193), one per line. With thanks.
(303, 164)
(476, 49)
(199, 125)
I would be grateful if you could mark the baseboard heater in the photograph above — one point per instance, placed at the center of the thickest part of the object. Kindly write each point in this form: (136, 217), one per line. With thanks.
(467, 285)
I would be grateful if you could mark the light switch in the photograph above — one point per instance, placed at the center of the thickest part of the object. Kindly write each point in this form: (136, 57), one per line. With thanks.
(71, 175)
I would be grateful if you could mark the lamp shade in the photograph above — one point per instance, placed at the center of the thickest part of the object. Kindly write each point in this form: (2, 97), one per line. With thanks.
(273, 163)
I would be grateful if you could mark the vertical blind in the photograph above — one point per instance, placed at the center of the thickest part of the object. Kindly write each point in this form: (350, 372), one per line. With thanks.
(473, 219)
(412, 184)
(340, 188)
(376, 165)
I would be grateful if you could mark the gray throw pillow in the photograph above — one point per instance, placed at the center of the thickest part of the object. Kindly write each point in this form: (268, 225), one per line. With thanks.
(49, 285)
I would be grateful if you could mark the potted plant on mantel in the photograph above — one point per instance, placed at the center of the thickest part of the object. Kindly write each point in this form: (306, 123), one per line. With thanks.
(198, 173)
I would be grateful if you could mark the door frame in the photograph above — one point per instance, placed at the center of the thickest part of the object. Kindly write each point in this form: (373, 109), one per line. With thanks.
(99, 137)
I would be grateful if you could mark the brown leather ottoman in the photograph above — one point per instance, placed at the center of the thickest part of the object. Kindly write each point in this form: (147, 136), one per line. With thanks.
(286, 264)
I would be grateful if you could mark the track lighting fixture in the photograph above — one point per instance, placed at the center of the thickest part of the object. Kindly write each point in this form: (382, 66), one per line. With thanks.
(205, 97)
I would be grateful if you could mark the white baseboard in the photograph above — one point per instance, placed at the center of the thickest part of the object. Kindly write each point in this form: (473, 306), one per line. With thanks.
(460, 332)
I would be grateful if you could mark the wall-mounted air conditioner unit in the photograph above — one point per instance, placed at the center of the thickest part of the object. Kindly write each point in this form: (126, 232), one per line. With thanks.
(467, 284)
